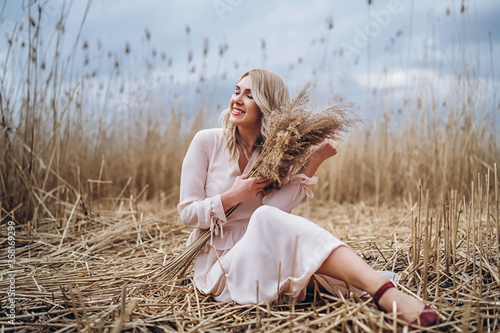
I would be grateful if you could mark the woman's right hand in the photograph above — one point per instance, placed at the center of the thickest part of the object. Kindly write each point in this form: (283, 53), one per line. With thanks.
(243, 190)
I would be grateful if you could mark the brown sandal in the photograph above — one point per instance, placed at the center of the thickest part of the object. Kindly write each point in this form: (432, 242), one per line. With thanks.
(427, 317)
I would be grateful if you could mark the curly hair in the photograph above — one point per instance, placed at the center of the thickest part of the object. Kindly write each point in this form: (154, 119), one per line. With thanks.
(270, 93)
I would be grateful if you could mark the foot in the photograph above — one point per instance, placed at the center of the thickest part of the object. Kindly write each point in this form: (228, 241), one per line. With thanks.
(408, 308)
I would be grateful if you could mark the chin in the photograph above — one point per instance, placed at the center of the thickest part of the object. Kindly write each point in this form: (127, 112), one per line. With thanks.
(234, 120)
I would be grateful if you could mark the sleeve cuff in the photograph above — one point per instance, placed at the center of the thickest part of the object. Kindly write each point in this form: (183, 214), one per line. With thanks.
(217, 209)
(303, 179)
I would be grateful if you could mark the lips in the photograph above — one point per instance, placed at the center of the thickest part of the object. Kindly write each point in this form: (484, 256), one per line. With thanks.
(237, 111)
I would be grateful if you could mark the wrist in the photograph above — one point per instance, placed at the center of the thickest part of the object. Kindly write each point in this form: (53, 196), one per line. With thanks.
(312, 165)
(316, 157)
(228, 200)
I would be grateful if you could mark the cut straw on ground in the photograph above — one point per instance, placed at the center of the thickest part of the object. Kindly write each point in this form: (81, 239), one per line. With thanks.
(102, 278)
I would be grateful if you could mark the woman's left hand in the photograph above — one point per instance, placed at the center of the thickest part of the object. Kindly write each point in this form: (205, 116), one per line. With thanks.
(326, 149)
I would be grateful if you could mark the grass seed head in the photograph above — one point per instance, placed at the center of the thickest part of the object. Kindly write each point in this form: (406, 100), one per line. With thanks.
(294, 132)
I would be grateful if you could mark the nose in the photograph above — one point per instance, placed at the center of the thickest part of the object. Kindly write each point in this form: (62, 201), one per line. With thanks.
(237, 98)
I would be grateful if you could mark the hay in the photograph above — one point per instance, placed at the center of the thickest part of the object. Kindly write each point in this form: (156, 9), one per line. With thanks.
(97, 277)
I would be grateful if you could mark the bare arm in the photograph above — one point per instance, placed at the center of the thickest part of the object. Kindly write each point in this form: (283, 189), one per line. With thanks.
(325, 150)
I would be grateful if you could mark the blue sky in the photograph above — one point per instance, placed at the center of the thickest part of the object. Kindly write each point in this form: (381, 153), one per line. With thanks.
(352, 51)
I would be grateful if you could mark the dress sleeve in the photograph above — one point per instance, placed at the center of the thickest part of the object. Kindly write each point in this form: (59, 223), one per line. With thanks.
(195, 209)
(292, 193)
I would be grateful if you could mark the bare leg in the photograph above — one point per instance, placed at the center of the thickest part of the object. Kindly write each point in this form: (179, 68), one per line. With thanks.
(344, 264)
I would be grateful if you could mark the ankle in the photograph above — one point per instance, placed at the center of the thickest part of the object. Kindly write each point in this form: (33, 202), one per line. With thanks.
(381, 292)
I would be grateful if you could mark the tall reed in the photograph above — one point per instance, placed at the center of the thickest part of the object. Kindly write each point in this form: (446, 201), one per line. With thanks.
(79, 120)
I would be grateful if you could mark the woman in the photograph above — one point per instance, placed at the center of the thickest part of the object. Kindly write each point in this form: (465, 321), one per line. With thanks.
(262, 252)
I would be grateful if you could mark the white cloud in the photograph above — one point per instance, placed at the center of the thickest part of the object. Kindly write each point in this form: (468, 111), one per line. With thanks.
(288, 29)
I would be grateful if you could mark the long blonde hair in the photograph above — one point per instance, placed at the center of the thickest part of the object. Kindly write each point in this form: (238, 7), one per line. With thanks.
(270, 93)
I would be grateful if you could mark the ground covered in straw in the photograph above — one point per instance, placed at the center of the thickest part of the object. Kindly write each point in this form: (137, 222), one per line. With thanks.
(90, 271)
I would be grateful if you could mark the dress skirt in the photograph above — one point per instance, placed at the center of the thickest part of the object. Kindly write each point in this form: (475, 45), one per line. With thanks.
(274, 260)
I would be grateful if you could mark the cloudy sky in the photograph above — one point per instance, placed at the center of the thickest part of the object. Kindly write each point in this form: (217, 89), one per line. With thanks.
(351, 50)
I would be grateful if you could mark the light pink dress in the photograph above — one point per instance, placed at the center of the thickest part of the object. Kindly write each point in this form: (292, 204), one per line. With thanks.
(257, 239)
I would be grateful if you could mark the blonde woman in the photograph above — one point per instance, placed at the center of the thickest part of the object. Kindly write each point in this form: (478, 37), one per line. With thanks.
(261, 243)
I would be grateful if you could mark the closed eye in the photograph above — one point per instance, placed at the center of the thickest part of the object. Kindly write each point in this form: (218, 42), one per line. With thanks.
(237, 92)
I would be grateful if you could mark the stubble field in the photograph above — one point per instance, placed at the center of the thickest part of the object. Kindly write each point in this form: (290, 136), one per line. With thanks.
(89, 175)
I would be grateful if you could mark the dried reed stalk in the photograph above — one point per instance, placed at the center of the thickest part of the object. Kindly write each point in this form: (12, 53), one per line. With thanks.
(293, 133)
(79, 287)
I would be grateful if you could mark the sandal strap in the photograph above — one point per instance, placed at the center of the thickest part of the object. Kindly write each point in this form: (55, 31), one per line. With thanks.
(427, 318)
(381, 291)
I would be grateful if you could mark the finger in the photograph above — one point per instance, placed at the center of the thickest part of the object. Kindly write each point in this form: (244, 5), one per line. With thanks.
(261, 186)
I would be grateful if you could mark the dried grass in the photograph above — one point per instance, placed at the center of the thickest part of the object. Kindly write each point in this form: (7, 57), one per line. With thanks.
(98, 277)
(85, 253)
(294, 132)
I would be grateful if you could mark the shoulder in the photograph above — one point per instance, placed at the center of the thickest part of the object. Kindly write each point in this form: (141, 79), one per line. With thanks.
(210, 132)
(211, 137)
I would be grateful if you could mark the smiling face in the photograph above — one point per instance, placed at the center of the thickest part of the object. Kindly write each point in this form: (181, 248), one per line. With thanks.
(244, 111)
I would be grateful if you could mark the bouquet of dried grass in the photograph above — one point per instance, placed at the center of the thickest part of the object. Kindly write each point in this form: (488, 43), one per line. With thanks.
(292, 135)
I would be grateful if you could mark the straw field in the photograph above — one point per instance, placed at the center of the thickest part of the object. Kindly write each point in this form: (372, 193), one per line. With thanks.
(89, 174)
(93, 272)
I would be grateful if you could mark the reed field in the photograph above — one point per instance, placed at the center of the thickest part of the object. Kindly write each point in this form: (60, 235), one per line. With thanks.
(89, 178)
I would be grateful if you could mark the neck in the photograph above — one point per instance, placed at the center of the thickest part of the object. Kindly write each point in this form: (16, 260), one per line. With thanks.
(248, 137)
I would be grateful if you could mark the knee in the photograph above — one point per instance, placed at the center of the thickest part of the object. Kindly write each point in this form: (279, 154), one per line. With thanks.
(263, 212)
